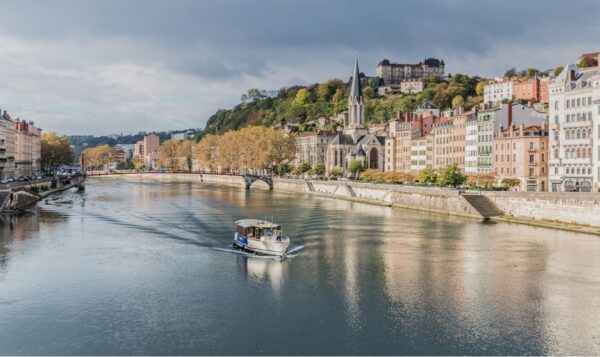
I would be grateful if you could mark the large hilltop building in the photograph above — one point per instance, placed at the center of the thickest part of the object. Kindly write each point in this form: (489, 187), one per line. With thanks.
(393, 74)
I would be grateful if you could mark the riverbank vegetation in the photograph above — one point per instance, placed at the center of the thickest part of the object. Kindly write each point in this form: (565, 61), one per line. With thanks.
(55, 151)
(303, 105)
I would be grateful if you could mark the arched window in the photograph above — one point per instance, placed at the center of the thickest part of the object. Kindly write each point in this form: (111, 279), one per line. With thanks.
(578, 134)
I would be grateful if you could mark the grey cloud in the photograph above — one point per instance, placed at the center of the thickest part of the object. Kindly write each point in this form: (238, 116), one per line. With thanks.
(201, 55)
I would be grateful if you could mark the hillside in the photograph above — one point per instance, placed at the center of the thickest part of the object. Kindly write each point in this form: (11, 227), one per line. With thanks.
(304, 104)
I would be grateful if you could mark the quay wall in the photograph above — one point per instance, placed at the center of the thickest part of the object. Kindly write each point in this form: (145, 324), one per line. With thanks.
(558, 210)
(573, 207)
(438, 200)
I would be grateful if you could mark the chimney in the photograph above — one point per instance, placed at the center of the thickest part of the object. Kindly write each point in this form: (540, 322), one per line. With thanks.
(510, 118)
(572, 75)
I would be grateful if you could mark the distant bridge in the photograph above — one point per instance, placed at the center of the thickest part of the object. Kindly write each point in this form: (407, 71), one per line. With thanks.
(250, 179)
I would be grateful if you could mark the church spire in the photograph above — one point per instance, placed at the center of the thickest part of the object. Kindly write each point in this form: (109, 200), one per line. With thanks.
(356, 90)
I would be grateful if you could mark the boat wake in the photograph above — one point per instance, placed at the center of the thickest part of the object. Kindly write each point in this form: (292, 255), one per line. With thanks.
(253, 255)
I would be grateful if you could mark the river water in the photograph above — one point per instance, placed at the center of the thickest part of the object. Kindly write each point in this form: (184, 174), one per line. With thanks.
(141, 267)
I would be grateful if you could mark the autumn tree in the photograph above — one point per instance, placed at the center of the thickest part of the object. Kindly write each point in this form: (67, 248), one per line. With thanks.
(185, 152)
(168, 154)
(55, 151)
(205, 151)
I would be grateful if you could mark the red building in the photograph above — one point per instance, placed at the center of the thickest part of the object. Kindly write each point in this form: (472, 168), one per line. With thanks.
(528, 90)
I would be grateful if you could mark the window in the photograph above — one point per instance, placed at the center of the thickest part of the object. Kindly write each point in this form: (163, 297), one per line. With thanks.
(531, 158)
(531, 146)
(531, 171)
(543, 157)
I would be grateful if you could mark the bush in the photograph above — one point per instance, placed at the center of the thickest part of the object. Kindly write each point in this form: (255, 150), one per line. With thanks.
(428, 176)
(450, 175)
(336, 172)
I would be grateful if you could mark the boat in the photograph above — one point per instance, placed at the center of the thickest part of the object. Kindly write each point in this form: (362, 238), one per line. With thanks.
(260, 237)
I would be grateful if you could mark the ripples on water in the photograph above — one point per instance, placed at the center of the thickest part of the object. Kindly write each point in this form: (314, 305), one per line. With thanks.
(143, 267)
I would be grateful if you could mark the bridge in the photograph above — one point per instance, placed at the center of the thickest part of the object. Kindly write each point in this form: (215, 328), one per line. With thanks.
(250, 179)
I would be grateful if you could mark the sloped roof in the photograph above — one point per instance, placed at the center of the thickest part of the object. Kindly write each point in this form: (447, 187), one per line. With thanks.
(342, 139)
(356, 90)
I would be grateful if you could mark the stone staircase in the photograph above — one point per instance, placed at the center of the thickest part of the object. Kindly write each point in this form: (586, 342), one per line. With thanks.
(483, 205)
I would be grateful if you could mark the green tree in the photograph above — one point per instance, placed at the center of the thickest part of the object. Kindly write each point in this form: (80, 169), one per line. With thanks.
(304, 167)
(458, 102)
(336, 172)
(302, 97)
(511, 72)
(428, 176)
(369, 92)
(283, 169)
(356, 167)
(450, 175)
(531, 72)
(319, 169)
(558, 69)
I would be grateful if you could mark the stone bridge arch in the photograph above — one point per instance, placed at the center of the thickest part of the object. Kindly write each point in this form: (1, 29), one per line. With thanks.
(250, 179)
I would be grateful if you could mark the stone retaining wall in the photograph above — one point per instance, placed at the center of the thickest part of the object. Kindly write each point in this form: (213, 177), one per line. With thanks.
(579, 208)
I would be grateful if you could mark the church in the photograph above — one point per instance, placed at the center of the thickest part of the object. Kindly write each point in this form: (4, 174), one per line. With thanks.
(355, 142)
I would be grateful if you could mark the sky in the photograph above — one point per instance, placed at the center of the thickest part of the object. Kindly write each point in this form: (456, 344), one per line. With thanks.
(111, 67)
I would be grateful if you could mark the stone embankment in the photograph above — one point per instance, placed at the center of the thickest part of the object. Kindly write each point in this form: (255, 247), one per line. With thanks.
(569, 211)
(23, 195)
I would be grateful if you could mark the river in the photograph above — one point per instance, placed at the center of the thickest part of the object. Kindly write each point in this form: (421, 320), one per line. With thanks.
(142, 267)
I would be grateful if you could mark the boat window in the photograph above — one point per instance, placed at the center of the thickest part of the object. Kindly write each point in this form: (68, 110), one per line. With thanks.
(250, 231)
(240, 231)
(267, 231)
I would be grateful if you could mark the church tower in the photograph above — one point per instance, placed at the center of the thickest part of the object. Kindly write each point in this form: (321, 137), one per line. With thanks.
(356, 108)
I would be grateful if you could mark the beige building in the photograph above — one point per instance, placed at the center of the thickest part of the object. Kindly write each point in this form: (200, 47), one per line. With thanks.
(411, 86)
(449, 137)
(393, 74)
(27, 148)
(522, 153)
(311, 147)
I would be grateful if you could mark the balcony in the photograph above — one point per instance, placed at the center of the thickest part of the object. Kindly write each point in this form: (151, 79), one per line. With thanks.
(533, 163)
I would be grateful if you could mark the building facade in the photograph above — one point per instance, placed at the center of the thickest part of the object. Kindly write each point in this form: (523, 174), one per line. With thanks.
(311, 147)
(498, 91)
(411, 86)
(574, 124)
(393, 74)
(522, 153)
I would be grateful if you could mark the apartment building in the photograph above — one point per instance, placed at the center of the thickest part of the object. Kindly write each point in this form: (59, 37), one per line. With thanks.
(522, 153)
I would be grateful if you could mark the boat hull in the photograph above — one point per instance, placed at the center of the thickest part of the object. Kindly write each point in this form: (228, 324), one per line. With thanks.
(268, 247)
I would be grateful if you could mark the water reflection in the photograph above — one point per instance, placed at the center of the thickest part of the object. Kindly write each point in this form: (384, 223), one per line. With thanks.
(265, 271)
(129, 267)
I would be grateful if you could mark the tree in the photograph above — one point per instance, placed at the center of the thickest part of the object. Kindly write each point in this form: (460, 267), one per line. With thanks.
(450, 175)
(137, 164)
(304, 167)
(369, 92)
(511, 181)
(168, 154)
(336, 172)
(205, 151)
(481, 180)
(531, 72)
(458, 102)
(479, 88)
(99, 156)
(428, 176)
(356, 167)
(302, 97)
(511, 72)
(319, 169)
(185, 150)
(283, 169)
(55, 151)
(558, 69)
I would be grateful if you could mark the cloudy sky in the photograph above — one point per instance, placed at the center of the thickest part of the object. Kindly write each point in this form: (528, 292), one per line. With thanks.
(103, 67)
